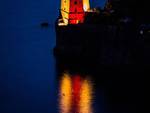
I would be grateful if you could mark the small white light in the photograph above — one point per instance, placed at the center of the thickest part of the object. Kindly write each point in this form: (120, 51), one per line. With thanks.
(85, 8)
(141, 32)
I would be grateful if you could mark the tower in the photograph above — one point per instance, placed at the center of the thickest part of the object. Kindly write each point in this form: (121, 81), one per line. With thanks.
(73, 11)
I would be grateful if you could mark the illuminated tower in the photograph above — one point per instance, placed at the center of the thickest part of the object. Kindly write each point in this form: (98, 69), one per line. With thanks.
(73, 11)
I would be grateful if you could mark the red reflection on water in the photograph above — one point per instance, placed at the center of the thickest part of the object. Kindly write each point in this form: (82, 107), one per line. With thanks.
(76, 87)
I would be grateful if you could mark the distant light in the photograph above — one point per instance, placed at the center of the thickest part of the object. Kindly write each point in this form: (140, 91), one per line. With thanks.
(85, 8)
(141, 32)
(61, 22)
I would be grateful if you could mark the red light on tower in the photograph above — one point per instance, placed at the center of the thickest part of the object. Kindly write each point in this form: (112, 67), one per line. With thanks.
(76, 12)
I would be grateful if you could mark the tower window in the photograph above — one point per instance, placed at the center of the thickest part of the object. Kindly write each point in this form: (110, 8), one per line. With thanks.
(75, 2)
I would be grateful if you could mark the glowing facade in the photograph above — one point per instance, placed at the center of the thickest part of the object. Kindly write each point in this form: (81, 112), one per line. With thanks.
(73, 11)
(86, 5)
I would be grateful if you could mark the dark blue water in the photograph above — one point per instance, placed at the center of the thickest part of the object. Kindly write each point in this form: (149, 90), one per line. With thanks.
(29, 82)
(27, 65)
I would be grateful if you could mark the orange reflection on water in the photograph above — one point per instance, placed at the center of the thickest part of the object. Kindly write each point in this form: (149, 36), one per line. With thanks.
(75, 94)
(85, 103)
(65, 94)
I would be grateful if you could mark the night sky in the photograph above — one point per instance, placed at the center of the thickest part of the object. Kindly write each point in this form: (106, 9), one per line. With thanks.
(27, 65)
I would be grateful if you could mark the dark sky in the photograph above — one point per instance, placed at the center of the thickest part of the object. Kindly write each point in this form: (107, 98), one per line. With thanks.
(98, 3)
(26, 12)
(27, 65)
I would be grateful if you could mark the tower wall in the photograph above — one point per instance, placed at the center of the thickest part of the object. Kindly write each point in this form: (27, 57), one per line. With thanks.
(86, 5)
(65, 7)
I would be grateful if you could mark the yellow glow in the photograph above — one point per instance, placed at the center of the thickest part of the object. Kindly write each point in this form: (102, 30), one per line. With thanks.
(86, 5)
(85, 104)
(65, 94)
(65, 5)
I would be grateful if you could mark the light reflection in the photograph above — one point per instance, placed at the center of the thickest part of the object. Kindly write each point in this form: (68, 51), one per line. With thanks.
(75, 95)
(76, 86)
(65, 94)
(86, 97)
